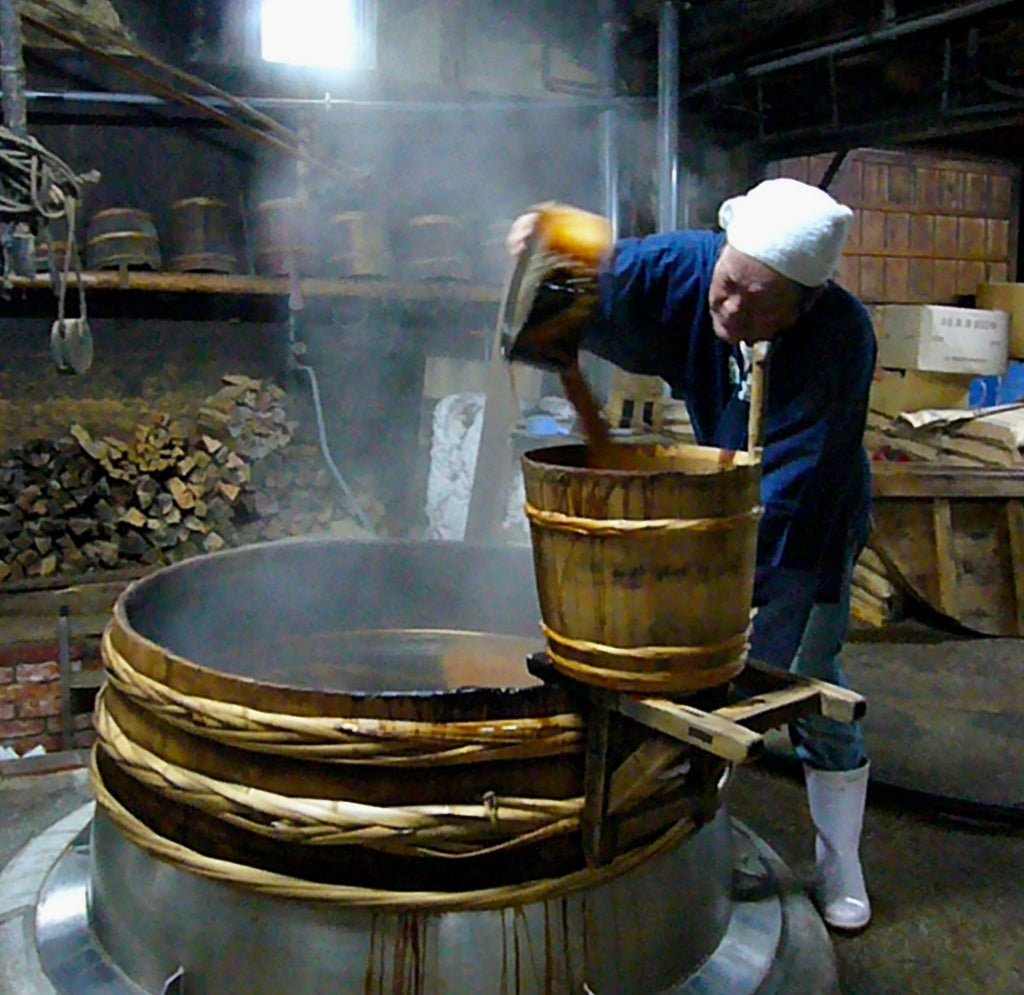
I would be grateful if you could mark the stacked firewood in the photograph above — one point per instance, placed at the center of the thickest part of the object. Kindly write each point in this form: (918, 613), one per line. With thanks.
(875, 598)
(176, 489)
(249, 415)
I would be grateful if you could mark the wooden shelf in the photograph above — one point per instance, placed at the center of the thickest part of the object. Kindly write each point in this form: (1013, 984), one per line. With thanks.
(455, 291)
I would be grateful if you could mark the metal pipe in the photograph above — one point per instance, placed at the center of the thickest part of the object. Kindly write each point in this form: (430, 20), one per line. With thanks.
(608, 123)
(849, 44)
(668, 116)
(328, 102)
(12, 68)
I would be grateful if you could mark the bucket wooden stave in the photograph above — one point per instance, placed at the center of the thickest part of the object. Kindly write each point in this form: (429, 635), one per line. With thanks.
(645, 572)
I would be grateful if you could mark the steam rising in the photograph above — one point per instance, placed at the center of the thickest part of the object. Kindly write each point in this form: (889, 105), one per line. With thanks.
(308, 614)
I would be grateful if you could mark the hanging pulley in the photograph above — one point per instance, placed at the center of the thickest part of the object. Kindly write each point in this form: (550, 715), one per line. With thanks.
(70, 338)
(71, 345)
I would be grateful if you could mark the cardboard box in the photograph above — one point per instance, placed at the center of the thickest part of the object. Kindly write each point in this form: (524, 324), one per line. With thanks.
(1008, 297)
(940, 339)
(893, 391)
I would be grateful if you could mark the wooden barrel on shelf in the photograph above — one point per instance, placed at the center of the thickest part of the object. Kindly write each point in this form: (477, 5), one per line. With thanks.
(122, 236)
(286, 237)
(645, 571)
(358, 245)
(204, 235)
(435, 248)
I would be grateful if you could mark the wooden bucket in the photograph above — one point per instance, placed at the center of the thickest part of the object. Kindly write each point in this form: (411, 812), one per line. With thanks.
(285, 236)
(122, 236)
(435, 248)
(359, 246)
(203, 235)
(645, 572)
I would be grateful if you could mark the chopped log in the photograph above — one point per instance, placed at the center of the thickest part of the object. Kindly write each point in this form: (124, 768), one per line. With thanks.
(180, 492)
(134, 517)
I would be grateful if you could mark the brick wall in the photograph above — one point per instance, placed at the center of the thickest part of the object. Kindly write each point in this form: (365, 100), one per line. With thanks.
(30, 697)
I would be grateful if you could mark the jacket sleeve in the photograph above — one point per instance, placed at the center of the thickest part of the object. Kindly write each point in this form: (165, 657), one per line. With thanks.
(652, 304)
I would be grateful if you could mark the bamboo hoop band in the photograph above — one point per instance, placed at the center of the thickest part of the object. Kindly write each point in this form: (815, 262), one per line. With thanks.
(647, 681)
(560, 522)
(738, 642)
(284, 886)
(437, 830)
(355, 740)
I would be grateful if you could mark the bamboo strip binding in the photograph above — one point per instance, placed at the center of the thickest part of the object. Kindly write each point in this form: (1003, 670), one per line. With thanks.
(559, 521)
(441, 830)
(378, 742)
(284, 886)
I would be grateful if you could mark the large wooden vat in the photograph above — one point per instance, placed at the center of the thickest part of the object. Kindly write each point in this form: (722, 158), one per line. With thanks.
(354, 714)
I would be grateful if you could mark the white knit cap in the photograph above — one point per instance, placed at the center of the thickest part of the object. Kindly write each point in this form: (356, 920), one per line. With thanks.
(793, 228)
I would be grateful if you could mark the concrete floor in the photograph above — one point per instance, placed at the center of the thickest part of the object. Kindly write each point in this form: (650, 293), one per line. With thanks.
(945, 733)
(948, 889)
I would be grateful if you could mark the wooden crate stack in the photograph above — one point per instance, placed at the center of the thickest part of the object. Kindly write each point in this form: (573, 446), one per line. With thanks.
(928, 229)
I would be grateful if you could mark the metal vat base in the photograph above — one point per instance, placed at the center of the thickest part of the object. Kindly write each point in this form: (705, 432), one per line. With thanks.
(173, 931)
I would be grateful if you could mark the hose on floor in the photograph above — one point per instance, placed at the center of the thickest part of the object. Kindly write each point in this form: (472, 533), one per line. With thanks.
(321, 432)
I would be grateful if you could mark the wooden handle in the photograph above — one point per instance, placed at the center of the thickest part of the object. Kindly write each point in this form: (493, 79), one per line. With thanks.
(758, 393)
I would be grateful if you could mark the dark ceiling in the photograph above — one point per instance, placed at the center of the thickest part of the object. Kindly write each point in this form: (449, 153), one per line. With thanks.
(805, 75)
(789, 76)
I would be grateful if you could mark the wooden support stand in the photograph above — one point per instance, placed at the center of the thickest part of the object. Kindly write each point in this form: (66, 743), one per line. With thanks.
(732, 733)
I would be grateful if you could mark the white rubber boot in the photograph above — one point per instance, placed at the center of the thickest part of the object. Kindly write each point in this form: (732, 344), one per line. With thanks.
(836, 800)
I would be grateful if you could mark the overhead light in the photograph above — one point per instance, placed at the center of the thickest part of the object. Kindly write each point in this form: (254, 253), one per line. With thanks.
(330, 34)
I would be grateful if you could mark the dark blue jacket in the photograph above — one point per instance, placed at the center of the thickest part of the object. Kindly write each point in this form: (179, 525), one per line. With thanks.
(654, 318)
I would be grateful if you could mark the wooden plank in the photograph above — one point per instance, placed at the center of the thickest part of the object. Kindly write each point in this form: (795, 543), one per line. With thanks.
(837, 702)
(597, 846)
(942, 530)
(225, 283)
(774, 709)
(705, 730)
(1015, 524)
(81, 599)
(494, 465)
(985, 598)
(632, 779)
(931, 481)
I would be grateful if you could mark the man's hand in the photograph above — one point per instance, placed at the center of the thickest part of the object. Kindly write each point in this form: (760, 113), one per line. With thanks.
(520, 232)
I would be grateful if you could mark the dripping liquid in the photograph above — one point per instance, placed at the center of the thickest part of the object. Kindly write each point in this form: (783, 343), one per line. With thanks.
(602, 450)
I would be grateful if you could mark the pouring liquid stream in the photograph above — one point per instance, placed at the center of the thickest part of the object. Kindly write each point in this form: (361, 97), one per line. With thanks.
(603, 451)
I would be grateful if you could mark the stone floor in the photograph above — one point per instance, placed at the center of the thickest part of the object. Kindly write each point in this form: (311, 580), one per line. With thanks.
(943, 844)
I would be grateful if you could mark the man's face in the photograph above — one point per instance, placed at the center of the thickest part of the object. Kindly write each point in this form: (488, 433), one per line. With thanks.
(750, 302)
